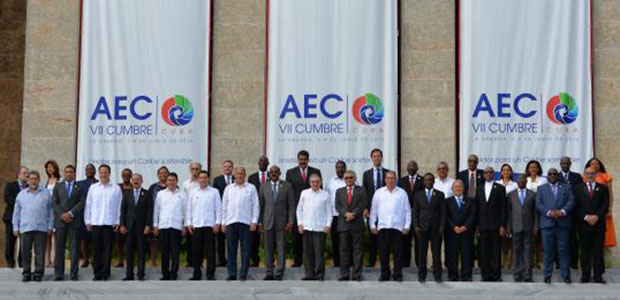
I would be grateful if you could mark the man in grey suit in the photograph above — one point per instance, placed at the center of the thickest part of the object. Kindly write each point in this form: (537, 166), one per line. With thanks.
(555, 202)
(277, 213)
(68, 201)
(523, 225)
(350, 204)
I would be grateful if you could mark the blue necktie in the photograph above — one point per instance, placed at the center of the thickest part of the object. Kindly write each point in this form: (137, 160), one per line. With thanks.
(68, 188)
(378, 179)
(428, 196)
(459, 202)
(136, 196)
(522, 196)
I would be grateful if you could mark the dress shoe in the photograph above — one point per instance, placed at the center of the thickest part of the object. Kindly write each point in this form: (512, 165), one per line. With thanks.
(231, 278)
(105, 278)
(26, 278)
(600, 280)
(11, 266)
(319, 278)
(567, 280)
(438, 280)
(528, 280)
(243, 278)
(357, 278)
(278, 278)
(140, 278)
(211, 277)
(343, 279)
(165, 278)
(59, 278)
(36, 278)
(296, 265)
(307, 278)
(128, 279)
(547, 280)
(194, 278)
(466, 279)
(584, 280)
(268, 278)
(384, 278)
(173, 277)
(422, 279)
(398, 279)
(96, 278)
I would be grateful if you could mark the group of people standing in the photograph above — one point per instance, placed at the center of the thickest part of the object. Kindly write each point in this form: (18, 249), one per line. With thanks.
(474, 216)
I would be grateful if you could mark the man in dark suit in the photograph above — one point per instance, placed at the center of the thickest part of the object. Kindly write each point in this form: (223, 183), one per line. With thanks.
(523, 225)
(68, 202)
(472, 177)
(350, 204)
(574, 179)
(220, 183)
(10, 194)
(277, 213)
(591, 206)
(492, 219)
(136, 221)
(298, 178)
(555, 202)
(460, 217)
(429, 217)
(411, 183)
(257, 179)
(373, 179)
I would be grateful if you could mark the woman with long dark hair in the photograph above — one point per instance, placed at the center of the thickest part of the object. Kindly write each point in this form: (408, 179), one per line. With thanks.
(53, 176)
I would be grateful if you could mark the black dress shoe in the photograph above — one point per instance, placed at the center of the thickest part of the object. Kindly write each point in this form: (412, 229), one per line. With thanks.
(528, 280)
(231, 278)
(128, 279)
(96, 278)
(195, 278)
(243, 278)
(343, 279)
(140, 278)
(547, 280)
(422, 279)
(357, 278)
(211, 277)
(59, 278)
(26, 278)
(567, 280)
(307, 278)
(384, 278)
(438, 280)
(36, 278)
(584, 280)
(398, 279)
(11, 265)
(319, 278)
(268, 278)
(600, 280)
(164, 278)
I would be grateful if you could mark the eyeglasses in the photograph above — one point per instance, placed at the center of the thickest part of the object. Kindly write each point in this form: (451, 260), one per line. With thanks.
(553, 174)
(349, 177)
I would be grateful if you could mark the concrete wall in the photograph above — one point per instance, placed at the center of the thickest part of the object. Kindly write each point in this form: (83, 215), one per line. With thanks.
(427, 82)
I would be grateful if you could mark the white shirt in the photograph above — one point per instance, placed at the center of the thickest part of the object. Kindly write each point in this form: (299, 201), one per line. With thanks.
(169, 211)
(444, 186)
(314, 210)
(204, 207)
(488, 187)
(240, 204)
(332, 185)
(103, 205)
(533, 185)
(390, 210)
(511, 186)
(189, 185)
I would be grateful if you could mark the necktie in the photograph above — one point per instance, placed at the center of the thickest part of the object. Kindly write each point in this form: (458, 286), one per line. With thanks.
(274, 190)
(459, 202)
(68, 188)
(303, 174)
(428, 195)
(522, 196)
(136, 196)
(262, 178)
(566, 177)
(472, 185)
(554, 189)
(411, 183)
(349, 195)
(378, 179)
(590, 188)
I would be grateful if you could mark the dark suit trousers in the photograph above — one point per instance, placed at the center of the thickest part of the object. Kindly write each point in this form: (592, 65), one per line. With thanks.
(254, 245)
(373, 247)
(459, 246)
(220, 241)
(103, 237)
(187, 247)
(135, 241)
(314, 250)
(433, 238)
(490, 248)
(203, 240)
(170, 247)
(408, 240)
(74, 247)
(523, 254)
(391, 241)
(275, 241)
(555, 239)
(335, 236)
(574, 243)
(298, 246)
(592, 253)
(351, 246)
(36, 239)
(9, 246)
(238, 233)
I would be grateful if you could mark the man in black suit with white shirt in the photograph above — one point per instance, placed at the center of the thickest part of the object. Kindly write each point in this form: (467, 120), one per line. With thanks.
(411, 183)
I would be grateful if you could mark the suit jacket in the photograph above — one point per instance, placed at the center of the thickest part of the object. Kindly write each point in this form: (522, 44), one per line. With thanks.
(597, 205)
(368, 181)
(404, 184)
(429, 215)
(357, 206)
(492, 214)
(10, 194)
(293, 176)
(545, 201)
(61, 203)
(255, 180)
(219, 183)
(465, 216)
(464, 176)
(276, 212)
(522, 218)
(573, 179)
(137, 216)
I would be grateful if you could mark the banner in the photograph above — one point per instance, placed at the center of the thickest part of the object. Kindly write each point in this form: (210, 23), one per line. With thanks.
(525, 82)
(332, 83)
(144, 86)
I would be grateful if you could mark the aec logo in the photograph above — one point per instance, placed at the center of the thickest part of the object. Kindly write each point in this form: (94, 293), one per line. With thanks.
(367, 109)
(177, 111)
(562, 109)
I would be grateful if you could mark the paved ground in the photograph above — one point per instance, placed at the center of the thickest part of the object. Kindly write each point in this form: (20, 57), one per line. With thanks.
(293, 288)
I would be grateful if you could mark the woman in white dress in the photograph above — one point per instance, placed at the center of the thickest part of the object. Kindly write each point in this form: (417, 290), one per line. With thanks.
(506, 179)
(534, 172)
(53, 177)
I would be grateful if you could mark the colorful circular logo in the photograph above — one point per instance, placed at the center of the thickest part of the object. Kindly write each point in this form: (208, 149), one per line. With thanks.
(562, 109)
(177, 111)
(367, 109)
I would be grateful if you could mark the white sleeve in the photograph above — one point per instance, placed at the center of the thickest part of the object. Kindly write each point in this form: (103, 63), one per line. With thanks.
(88, 205)
(407, 212)
(300, 209)
(374, 211)
(188, 211)
(156, 210)
(224, 205)
(329, 210)
(218, 208)
(255, 206)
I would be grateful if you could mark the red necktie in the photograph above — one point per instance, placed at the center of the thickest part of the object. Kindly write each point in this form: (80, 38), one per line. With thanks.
(349, 196)
(262, 178)
(303, 175)
(590, 188)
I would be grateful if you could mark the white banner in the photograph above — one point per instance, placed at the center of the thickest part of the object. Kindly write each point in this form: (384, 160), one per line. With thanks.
(144, 85)
(332, 86)
(525, 82)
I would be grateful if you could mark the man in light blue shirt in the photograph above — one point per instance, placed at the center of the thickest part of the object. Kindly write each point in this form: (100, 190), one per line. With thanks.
(33, 219)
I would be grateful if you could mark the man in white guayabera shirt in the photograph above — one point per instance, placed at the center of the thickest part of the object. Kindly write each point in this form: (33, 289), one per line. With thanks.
(203, 221)
(102, 217)
(390, 218)
(314, 218)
